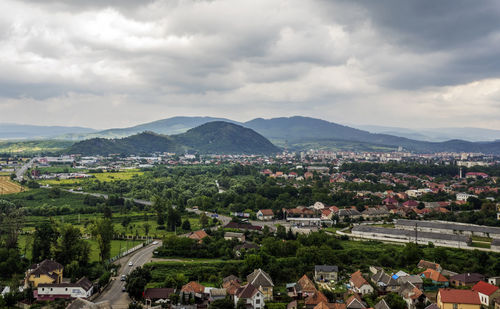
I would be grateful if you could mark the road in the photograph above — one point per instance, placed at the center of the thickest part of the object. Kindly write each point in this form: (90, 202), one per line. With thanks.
(20, 172)
(114, 294)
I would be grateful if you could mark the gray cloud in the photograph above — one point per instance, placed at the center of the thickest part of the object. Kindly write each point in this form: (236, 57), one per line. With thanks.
(116, 63)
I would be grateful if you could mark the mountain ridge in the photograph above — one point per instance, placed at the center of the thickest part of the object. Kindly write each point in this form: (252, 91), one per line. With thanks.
(216, 137)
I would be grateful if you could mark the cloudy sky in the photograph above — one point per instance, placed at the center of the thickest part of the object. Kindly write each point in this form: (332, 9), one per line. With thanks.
(115, 63)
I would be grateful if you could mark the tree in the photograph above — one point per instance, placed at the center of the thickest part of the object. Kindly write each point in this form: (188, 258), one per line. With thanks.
(103, 231)
(11, 221)
(136, 282)
(173, 219)
(186, 225)
(107, 212)
(225, 303)
(394, 301)
(159, 206)
(146, 226)
(71, 246)
(281, 232)
(44, 240)
(203, 220)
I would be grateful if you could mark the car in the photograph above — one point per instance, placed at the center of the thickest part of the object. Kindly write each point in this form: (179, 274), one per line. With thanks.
(130, 264)
(155, 242)
(123, 278)
(124, 289)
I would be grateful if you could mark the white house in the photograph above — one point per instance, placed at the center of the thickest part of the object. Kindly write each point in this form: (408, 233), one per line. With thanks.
(251, 295)
(265, 214)
(464, 196)
(487, 292)
(359, 284)
(81, 289)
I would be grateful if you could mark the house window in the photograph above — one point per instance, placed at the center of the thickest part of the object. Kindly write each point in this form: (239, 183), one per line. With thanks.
(455, 306)
(257, 301)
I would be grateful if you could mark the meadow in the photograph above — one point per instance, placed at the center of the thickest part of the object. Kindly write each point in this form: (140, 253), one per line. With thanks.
(105, 176)
(117, 246)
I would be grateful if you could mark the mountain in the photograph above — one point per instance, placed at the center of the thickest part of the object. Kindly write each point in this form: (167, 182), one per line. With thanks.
(437, 134)
(296, 131)
(217, 137)
(21, 131)
(169, 126)
(220, 136)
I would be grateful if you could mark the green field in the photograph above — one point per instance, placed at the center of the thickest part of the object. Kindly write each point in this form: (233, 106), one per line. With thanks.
(106, 176)
(116, 246)
(31, 147)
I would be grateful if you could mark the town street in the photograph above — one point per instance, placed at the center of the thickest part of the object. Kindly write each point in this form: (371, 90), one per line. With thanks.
(114, 293)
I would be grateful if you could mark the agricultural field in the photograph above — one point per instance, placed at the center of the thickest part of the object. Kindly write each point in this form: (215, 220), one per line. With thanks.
(9, 187)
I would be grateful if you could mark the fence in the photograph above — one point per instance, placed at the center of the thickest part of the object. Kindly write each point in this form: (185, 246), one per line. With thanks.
(131, 250)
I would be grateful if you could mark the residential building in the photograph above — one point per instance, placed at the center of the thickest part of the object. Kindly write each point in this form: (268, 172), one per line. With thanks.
(437, 278)
(153, 295)
(458, 299)
(355, 302)
(381, 305)
(193, 288)
(265, 214)
(305, 287)
(232, 235)
(83, 288)
(45, 272)
(315, 299)
(263, 282)
(325, 273)
(198, 235)
(426, 265)
(466, 279)
(487, 292)
(384, 282)
(251, 296)
(359, 284)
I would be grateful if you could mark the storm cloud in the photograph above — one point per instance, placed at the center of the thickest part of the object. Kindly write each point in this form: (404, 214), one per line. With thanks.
(103, 64)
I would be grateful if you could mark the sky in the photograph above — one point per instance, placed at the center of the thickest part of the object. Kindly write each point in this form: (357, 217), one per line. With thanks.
(117, 63)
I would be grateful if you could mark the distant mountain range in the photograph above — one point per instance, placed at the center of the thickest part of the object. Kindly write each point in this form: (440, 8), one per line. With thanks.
(436, 134)
(293, 133)
(217, 137)
(21, 131)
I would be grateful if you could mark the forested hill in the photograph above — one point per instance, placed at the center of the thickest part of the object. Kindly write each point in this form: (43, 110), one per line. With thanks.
(296, 130)
(215, 137)
(219, 136)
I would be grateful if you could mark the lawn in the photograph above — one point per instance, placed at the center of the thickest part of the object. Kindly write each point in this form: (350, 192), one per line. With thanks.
(116, 246)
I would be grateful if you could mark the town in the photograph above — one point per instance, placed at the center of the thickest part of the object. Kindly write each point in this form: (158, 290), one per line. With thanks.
(297, 230)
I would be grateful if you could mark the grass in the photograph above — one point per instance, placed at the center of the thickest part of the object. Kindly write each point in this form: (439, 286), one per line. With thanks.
(40, 197)
(483, 239)
(103, 177)
(206, 271)
(116, 245)
(9, 187)
(481, 245)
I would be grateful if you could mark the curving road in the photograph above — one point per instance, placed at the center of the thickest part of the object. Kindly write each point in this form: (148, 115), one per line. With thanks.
(114, 293)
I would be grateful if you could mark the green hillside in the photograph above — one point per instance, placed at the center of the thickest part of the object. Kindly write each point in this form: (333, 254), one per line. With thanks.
(215, 138)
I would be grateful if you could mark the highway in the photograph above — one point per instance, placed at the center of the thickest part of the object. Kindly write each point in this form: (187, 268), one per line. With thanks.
(20, 172)
(114, 294)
